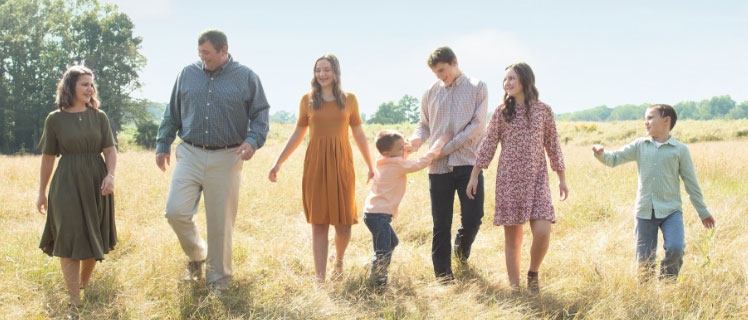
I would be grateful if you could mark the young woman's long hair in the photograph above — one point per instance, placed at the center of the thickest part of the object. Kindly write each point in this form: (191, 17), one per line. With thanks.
(66, 88)
(337, 91)
(527, 79)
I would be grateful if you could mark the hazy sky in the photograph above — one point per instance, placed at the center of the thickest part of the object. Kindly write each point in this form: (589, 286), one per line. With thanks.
(584, 53)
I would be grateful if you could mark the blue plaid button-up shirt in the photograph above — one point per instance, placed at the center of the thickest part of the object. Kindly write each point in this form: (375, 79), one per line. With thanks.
(224, 107)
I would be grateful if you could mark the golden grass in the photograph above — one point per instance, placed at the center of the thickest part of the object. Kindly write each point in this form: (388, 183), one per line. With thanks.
(588, 272)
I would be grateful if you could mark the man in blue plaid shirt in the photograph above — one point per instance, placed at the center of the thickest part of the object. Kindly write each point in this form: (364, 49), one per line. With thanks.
(219, 109)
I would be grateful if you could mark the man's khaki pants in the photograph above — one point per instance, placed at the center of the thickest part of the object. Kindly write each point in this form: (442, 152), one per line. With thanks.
(217, 174)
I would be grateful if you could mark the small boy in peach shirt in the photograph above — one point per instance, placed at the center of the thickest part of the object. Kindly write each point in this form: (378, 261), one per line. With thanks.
(386, 193)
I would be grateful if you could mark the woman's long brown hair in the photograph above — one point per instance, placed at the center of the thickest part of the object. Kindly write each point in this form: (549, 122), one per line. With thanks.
(337, 91)
(527, 79)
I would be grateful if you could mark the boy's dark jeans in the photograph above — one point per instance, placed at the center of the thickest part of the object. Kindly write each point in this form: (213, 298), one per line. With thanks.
(384, 241)
(442, 188)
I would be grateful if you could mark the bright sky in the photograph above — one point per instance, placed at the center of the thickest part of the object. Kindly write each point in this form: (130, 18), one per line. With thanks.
(584, 53)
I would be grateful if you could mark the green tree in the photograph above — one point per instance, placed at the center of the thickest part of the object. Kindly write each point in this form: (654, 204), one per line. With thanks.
(388, 113)
(406, 110)
(39, 39)
(599, 113)
(686, 110)
(628, 112)
(281, 116)
(145, 136)
(410, 107)
(739, 112)
(102, 39)
(29, 68)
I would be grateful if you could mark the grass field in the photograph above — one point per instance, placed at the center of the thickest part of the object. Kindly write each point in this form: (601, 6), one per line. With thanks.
(589, 271)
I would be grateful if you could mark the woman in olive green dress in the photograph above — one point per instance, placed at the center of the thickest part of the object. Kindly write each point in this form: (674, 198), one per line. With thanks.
(80, 213)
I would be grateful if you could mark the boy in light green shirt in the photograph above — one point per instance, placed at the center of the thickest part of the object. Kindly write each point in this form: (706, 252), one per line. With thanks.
(661, 161)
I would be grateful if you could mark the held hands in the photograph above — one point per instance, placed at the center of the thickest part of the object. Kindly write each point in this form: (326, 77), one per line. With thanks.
(162, 160)
(371, 176)
(107, 185)
(708, 222)
(598, 149)
(412, 144)
(246, 150)
(440, 143)
(41, 204)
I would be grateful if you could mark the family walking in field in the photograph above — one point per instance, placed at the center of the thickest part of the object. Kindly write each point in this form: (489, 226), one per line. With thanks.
(219, 111)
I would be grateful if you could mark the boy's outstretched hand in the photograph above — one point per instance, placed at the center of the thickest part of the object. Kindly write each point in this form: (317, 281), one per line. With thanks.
(440, 143)
(708, 222)
(598, 149)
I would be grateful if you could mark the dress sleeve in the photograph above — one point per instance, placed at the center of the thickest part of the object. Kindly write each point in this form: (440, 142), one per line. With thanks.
(303, 120)
(355, 117)
(48, 142)
(490, 141)
(107, 138)
(551, 142)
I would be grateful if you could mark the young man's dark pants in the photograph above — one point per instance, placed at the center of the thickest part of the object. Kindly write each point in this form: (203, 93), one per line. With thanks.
(442, 188)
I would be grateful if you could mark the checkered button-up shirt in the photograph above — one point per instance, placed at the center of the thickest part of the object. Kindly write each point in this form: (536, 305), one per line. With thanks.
(224, 107)
(460, 110)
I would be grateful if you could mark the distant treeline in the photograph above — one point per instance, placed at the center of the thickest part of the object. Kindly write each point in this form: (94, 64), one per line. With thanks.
(718, 107)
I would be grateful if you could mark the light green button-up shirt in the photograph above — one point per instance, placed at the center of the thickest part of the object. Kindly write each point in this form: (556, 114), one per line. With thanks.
(659, 170)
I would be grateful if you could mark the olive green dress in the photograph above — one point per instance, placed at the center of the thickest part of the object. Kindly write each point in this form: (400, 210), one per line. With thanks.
(80, 221)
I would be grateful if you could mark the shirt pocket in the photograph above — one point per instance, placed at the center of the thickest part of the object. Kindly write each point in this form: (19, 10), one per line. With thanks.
(229, 97)
(668, 165)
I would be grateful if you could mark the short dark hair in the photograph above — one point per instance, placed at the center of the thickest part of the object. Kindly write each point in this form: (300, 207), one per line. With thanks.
(216, 37)
(666, 111)
(386, 138)
(441, 54)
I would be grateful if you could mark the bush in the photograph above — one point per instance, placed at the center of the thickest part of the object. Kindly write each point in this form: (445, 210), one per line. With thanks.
(146, 134)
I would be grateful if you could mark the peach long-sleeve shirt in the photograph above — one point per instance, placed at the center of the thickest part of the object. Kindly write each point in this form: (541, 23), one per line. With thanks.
(390, 179)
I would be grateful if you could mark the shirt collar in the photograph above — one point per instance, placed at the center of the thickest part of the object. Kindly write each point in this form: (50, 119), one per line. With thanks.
(219, 69)
(670, 140)
(458, 81)
(383, 159)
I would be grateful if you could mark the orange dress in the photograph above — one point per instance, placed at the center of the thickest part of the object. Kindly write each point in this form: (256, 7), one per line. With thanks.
(329, 185)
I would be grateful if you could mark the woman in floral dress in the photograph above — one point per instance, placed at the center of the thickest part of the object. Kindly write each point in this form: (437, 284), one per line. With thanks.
(525, 127)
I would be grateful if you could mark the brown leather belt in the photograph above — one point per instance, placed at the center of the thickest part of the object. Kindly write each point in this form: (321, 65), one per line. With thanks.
(211, 147)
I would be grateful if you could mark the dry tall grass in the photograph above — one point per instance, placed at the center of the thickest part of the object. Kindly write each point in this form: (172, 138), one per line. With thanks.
(588, 272)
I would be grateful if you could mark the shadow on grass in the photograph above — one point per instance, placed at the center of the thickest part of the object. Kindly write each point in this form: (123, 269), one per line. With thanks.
(98, 300)
(380, 302)
(244, 299)
(546, 304)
